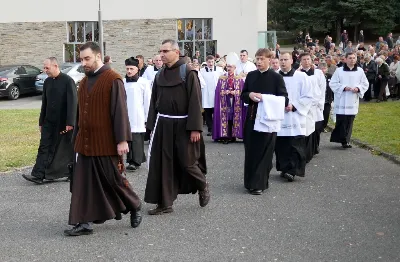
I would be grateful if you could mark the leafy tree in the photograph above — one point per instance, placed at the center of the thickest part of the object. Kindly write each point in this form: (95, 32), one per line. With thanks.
(333, 15)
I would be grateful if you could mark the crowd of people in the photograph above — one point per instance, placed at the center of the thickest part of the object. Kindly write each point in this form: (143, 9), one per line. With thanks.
(279, 103)
(380, 61)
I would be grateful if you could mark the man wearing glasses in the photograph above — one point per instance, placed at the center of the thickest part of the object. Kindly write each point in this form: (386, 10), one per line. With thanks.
(176, 157)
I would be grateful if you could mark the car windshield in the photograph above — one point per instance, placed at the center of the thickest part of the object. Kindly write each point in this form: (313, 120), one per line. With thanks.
(5, 70)
(66, 69)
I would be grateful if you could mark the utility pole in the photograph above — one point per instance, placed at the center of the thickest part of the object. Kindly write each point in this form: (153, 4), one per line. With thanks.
(101, 40)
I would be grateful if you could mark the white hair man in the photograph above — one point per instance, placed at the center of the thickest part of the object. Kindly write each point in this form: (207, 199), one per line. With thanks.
(152, 70)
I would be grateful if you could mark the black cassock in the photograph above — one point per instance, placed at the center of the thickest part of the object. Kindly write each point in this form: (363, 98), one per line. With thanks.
(259, 146)
(59, 107)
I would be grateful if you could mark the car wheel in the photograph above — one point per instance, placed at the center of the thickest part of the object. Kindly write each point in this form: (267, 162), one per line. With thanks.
(13, 92)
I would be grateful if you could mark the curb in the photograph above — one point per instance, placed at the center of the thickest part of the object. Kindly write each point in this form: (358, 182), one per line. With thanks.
(16, 170)
(373, 149)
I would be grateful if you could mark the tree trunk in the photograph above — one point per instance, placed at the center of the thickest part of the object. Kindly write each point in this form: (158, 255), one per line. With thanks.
(338, 30)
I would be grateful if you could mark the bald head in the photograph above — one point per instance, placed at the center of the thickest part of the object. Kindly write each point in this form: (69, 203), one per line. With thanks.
(50, 67)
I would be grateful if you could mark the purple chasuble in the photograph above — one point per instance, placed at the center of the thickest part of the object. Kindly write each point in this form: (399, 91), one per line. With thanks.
(228, 107)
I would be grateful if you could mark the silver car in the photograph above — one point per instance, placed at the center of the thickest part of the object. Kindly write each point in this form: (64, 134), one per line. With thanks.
(74, 70)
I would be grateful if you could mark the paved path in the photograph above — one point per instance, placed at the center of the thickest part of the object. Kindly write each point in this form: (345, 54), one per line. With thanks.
(24, 102)
(347, 208)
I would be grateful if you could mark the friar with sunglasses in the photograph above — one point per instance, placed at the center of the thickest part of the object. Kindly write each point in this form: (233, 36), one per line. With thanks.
(57, 118)
(176, 157)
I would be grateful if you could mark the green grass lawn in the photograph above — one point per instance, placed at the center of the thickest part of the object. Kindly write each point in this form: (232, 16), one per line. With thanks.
(378, 124)
(19, 138)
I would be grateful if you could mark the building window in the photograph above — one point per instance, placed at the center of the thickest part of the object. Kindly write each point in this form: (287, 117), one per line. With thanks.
(196, 35)
(78, 34)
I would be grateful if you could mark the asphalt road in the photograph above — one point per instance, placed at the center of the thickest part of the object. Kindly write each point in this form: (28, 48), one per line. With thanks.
(24, 102)
(347, 208)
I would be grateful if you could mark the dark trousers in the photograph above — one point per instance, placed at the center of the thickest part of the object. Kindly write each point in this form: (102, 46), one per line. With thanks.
(327, 110)
(209, 112)
(367, 95)
(396, 91)
(382, 91)
(376, 88)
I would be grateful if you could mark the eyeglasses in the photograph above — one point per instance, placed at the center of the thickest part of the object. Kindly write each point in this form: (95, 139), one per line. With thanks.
(165, 51)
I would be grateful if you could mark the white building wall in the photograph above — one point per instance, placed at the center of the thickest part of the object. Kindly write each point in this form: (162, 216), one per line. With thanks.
(235, 22)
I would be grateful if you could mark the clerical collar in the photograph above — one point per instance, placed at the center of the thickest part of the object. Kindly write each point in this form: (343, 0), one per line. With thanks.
(289, 73)
(156, 69)
(97, 71)
(132, 79)
(208, 69)
(346, 68)
(55, 77)
(262, 72)
(309, 72)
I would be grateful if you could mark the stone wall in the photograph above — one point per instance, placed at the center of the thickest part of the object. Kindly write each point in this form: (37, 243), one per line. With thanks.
(126, 38)
(31, 43)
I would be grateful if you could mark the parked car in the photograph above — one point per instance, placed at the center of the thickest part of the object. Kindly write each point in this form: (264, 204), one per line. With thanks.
(16, 80)
(74, 70)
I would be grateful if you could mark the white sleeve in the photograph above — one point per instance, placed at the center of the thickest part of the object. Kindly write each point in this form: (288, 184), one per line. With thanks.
(335, 84)
(363, 86)
(252, 67)
(202, 81)
(322, 87)
(304, 102)
(147, 74)
(146, 98)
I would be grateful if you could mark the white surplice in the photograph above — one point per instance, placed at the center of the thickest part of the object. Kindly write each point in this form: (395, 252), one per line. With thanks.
(211, 79)
(245, 67)
(138, 96)
(347, 102)
(301, 97)
(317, 84)
(150, 73)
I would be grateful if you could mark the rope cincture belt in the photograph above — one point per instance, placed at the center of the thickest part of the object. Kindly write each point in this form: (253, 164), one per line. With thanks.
(154, 131)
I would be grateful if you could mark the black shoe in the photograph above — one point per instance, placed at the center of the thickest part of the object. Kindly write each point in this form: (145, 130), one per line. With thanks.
(289, 177)
(347, 145)
(33, 179)
(118, 216)
(317, 151)
(78, 230)
(204, 196)
(131, 168)
(256, 192)
(136, 218)
(160, 210)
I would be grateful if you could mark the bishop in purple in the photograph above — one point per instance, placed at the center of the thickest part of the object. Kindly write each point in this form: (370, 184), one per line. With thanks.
(229, 110)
